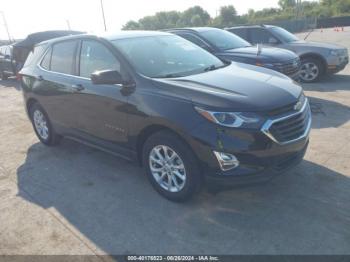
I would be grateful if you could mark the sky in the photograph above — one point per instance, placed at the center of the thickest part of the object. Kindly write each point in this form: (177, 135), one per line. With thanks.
(29, 16)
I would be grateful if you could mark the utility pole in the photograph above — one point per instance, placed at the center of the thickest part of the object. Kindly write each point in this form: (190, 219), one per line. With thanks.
(68, 24)
(103, 15)
(5, 24)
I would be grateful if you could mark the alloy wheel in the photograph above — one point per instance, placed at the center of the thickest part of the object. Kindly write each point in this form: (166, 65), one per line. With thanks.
(309, 71)
(40, 124)
(167, 168)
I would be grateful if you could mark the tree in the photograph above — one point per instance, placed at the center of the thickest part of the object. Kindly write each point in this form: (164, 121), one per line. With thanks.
(285, 4)
(228, 15)
(197, 16)
(131, 25)
(187, 15)
(196, 21)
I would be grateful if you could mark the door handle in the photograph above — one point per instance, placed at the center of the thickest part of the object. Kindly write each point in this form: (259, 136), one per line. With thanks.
(78, 87)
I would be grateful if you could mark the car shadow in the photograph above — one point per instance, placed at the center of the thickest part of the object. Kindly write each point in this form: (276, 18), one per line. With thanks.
(330, 83)
(11, 82)
(327, 113)
(110, 202)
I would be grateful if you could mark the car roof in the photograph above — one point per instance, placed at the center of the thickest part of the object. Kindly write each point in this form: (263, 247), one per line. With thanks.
(250, 26)
(108, 36)
(194, 29)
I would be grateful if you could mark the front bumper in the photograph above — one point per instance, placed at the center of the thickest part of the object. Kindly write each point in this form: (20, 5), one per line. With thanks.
(337, 64)
(260, 156)
(251, 174)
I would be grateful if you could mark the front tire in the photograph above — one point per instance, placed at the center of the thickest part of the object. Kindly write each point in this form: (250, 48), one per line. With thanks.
(42, 126)
(171, 166)
(311, 70)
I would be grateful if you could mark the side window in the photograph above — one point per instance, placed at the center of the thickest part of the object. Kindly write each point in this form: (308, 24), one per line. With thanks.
(195, 40)
(94, 56)
(63, 57)
(261, 36)
(241, 32)
(34, 55)
(45, 63)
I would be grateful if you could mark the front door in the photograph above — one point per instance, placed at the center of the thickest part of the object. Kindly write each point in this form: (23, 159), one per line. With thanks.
(102, 109)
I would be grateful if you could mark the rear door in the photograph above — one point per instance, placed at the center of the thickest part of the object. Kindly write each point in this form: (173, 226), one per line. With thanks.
(101, 108)
(54, 85)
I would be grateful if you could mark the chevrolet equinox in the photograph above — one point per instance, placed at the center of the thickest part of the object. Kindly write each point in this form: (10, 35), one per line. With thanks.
(159, 100)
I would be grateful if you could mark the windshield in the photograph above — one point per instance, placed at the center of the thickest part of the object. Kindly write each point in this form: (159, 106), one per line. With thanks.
(166, 56)
(284, 35)
(223, 40)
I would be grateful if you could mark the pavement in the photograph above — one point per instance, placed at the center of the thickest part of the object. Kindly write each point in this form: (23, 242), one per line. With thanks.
(73, 199)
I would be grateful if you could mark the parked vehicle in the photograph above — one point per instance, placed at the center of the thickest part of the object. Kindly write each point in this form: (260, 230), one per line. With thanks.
(317, 59)
(161, 101)
(228, 46)
(23, 48)
(7, 65)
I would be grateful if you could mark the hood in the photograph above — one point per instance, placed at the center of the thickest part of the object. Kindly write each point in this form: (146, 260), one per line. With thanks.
(303, 43)
(237, 87)
(267, 54)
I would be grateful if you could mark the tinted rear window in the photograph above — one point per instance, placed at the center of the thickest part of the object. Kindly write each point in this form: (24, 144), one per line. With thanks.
(34, 55)
(62, 58)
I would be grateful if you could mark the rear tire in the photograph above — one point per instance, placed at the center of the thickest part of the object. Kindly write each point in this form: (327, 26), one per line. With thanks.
(167, 176)
(311, 70)
(42, 126)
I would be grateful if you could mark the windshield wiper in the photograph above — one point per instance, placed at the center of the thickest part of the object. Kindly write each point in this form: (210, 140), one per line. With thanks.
(168, 76)
(213, 67)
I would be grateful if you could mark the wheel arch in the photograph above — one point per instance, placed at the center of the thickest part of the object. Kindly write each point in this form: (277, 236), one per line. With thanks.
(316, 56)
(155, 128)
(30, 102)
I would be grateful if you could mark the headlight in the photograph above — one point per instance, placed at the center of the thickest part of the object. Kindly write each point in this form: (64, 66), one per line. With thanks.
(336, 52)
(231, 119)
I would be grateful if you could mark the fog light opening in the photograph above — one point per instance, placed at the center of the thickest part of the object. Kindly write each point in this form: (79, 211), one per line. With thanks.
(226, 161)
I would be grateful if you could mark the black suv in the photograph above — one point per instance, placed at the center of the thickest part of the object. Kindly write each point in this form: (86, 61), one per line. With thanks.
(157, 99)
(231, 47)
(7, 64)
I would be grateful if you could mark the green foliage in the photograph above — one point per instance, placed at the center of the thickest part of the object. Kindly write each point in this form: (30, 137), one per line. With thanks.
(285, 4)
(197, 16)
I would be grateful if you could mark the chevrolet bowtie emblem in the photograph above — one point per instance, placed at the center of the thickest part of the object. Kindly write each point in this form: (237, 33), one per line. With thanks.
(298, 106)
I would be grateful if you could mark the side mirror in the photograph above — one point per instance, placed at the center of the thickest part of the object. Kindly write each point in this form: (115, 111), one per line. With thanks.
(106, 77)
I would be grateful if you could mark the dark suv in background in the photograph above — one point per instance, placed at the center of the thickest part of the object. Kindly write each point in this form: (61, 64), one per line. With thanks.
(161, 101)
(7, 64)
(228, 46)
(317, 59)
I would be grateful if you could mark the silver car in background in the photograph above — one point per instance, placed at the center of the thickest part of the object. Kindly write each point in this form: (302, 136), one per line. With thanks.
(317, 59)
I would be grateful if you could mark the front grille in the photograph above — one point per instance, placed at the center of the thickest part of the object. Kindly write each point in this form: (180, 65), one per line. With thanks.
(282, 110)
(290, 68)
(291, 128)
